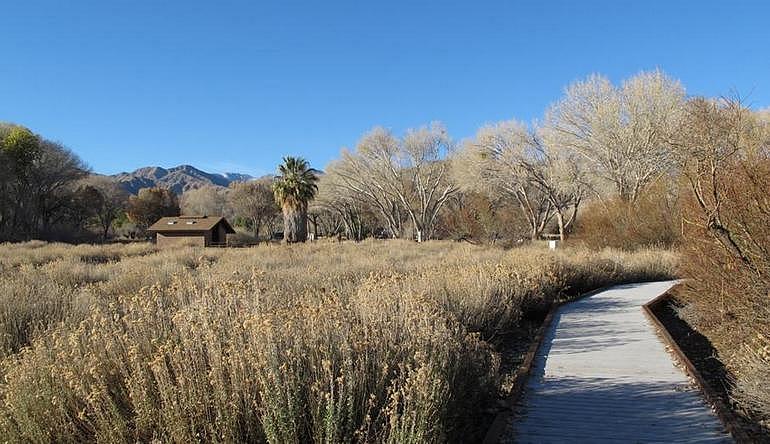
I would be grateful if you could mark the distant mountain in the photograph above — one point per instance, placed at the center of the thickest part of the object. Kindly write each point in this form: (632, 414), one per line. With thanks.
(237, 177)
(178, 179)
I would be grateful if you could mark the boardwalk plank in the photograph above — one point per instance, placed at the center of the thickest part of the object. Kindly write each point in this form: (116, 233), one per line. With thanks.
(603, 375)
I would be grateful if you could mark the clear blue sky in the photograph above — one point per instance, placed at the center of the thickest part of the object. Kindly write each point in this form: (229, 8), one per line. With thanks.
(235, 85)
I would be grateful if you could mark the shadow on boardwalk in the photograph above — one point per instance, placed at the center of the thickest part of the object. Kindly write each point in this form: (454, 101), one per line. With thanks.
(599, 409)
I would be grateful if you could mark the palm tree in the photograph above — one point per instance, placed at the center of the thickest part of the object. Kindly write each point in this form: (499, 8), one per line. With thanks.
(294, 187)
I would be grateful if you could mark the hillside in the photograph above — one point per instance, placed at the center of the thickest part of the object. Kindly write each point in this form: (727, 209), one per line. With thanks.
(178, 179)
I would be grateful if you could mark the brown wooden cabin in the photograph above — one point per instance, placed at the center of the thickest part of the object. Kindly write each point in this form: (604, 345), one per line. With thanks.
(204, 231)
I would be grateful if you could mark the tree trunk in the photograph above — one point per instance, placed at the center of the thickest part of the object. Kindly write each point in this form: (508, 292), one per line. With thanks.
(255, 226)
(726, 239)
(294, 225)
(573, 216)
(560, 220)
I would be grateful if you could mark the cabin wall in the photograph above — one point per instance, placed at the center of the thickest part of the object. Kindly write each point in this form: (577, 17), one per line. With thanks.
(183, 239)
(221, 233)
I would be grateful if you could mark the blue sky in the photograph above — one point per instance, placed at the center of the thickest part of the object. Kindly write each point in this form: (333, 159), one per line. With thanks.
(235, 85)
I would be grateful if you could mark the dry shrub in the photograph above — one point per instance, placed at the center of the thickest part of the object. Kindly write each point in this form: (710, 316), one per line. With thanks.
(651, 221)
(752, 389)
(476, 218)
(61, 283)
(242, 239)
(377, 341)
(729, 298)
(38, 253)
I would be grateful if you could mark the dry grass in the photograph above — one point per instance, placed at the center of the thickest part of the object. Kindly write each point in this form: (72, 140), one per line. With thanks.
(380, 341)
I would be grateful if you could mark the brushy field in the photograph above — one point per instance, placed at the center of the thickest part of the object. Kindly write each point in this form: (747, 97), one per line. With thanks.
(381, 341)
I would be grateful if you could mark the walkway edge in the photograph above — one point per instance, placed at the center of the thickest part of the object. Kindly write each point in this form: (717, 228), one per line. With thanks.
(522, 374)
(725, 414)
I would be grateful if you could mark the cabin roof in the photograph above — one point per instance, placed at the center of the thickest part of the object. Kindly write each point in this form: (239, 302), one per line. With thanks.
(189, 224)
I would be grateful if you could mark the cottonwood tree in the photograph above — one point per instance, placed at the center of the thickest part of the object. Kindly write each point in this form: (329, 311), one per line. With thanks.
(150, 204)
(337, 207)
(6, 183)
(428, 184)
(623, 133)
(508, 159)
(20, 149)
(56, 172)
(560, 176)
(294, 187)
(489, 163)
(254, 202)
(206, 200)
(406, 178)
(361, 175)
(37, 183)
(106, 200)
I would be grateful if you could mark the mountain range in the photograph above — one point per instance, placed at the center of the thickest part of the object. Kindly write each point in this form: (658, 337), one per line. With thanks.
(178, 179)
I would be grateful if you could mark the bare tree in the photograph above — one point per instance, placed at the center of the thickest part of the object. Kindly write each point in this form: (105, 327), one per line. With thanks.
(206, 200)
(560, 176)
(253, 201)
(339, 207)
(400, 178)
(362, 174)
(508, 159)
(714, 134)
(623, 133)
(56, 172)
(108, 199)
(150, 204)
(428, 184)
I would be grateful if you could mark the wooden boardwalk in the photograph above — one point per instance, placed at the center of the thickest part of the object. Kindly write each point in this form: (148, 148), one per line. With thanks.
(603, 375)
